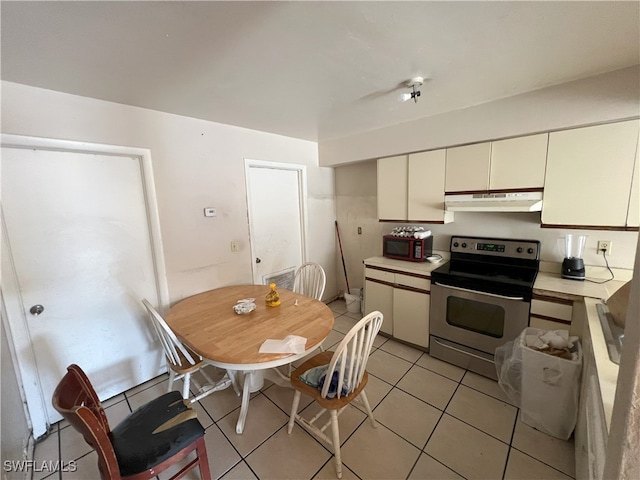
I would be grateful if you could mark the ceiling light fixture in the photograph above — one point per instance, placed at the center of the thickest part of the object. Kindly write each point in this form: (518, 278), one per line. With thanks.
(413, 84)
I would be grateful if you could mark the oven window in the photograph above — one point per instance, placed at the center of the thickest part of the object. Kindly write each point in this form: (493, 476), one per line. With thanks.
(479, 317)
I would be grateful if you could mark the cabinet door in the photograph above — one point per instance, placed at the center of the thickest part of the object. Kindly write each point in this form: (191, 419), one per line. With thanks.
(378, 296)
(411, 316)
(392, 188)
(426, 187)
(588, 177)
(518, 163)
(467, 168)
(633, 215)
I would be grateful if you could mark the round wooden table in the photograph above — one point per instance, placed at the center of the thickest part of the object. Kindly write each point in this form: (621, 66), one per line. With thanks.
(207, 324)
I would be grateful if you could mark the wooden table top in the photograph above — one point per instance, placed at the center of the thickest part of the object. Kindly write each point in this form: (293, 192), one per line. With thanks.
(207, 323)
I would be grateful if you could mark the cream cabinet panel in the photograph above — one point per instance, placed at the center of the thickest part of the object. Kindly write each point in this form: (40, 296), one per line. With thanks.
(558, 310)
(543, 324)
(392, 188)
(518, 163)
(412, 311)
(426, 187)
(383, 275)
(588, 177)
(467, 168)
(380, 297)
(411, 281)
(633, 215)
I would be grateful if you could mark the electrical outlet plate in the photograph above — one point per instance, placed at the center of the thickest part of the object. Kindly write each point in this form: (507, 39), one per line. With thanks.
(604, 245)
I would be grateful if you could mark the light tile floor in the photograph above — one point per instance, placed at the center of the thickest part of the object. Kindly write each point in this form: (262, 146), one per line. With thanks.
(435, 421)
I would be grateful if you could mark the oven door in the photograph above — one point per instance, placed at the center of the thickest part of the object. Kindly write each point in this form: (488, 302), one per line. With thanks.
(479, 320)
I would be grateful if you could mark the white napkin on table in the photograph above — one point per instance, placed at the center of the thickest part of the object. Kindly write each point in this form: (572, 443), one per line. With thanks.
(289, 344)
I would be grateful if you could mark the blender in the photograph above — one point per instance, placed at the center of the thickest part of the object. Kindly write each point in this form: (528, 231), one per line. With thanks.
(573, 264)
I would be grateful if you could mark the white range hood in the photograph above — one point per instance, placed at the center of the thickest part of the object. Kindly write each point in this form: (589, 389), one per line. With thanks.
(494, 202)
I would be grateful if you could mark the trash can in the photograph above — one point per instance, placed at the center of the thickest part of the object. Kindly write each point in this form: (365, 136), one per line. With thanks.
(546, 387)
(353, 300)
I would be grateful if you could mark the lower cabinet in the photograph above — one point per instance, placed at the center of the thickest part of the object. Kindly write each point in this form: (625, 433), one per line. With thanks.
(549, 313)
(591, 432)
(379, 296)
(403, 299)
(411, 314)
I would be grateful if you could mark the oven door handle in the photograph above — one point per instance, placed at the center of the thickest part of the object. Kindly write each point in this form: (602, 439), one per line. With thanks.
(479, 293)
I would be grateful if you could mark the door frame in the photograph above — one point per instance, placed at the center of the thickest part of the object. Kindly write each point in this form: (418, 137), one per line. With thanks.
(302, 202)
(14, 316)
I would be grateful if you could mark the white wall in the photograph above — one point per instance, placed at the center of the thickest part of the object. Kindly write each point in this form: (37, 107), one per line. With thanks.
(602, 98)
(196, 164)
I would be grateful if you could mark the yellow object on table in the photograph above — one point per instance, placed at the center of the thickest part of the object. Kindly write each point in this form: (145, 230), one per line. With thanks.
(273, 298)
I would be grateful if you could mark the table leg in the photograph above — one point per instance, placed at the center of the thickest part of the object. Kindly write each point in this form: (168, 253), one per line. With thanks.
(244, 408)
(235, 382)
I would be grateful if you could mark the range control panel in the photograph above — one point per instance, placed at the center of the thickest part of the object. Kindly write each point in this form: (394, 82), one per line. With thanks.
(500, 247)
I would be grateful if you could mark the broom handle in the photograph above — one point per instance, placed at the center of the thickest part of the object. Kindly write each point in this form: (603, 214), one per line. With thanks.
(344, 266)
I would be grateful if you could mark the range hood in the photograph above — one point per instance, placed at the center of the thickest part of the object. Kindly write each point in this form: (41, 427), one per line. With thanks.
(494, 202)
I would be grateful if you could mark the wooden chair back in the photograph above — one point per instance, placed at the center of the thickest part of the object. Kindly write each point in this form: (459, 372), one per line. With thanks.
(76, 400)
(349, 361)
(177, 354)
(310, 280)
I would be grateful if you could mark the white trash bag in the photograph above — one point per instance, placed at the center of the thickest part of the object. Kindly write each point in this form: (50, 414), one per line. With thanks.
(540, 373)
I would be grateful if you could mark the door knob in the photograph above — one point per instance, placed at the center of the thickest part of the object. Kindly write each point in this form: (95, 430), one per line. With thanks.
(36, 310)
(258, 260)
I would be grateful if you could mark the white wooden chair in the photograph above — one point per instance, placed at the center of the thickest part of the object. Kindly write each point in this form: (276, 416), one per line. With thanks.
(346, 371)
(181, 361)
(310, 280)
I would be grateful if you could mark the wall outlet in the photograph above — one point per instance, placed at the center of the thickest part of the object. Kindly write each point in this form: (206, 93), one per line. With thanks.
(604, 246)
(210, 212)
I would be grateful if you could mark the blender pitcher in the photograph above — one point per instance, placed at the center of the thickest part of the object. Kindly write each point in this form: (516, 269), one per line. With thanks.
(573, 264)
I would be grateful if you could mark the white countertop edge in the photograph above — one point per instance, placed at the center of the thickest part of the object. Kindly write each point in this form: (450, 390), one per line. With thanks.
(420, 268)
(607, 370)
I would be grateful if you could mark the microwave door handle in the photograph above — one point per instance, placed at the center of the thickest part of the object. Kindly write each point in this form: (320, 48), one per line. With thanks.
(479, 293)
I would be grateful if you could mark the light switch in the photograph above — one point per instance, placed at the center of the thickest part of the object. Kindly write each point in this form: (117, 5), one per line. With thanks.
(209, 212)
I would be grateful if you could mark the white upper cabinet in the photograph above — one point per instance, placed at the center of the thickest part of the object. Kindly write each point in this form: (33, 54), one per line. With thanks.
(589, 175)
(518, 163)
(411, 188)
(467, 168)
(426, 187)
(392, 188)
(633, 215)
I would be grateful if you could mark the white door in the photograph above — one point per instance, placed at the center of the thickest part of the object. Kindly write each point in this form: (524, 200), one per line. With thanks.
(81, 257)
(276, 197)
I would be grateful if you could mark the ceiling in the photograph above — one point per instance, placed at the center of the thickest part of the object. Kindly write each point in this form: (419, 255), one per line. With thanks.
(311, 70)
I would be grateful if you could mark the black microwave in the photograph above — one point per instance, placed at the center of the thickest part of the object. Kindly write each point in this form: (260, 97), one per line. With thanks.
(407, 248)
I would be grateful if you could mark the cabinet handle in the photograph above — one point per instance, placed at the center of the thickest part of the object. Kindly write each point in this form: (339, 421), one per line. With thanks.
(479, 293)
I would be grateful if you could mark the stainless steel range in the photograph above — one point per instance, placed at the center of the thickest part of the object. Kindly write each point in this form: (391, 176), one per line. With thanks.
(481, 299)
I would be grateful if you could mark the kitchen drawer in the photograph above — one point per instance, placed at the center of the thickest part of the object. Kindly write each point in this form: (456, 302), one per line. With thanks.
(379, 275)
(411, 281)
(546, 309)
(542, 324)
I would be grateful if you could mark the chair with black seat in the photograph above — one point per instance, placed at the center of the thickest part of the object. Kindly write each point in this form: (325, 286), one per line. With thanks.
(151, 439)
(345, 369)
(182, 363)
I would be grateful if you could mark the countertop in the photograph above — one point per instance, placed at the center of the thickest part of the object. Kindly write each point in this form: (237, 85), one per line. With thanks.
(553, 285)
(607, 370)
(424, 268)
(549, 282)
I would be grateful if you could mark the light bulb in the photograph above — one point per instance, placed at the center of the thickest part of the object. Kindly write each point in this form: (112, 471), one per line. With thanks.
(403, 97)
